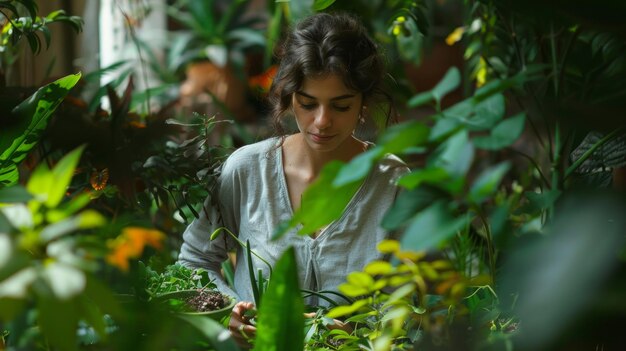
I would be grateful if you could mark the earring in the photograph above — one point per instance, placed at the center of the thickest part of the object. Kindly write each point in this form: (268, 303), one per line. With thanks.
(362, 114)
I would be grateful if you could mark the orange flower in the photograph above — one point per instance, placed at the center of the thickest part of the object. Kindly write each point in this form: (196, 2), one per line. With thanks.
(131, 243)
(263, 81)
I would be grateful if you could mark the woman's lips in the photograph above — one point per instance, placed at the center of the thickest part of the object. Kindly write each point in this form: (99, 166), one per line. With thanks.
(319, 138)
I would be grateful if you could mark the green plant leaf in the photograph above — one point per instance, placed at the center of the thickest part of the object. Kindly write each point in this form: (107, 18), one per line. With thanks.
(65, 281)
(455, 156)
(503, 135)
(319, 5)
(408, 204)
(448, 83)
(9, 175)
(280, 328)
(487, 113)
(84, 220)
(215, 333)
(400, 137)
(10, 307)
(101, 296)
(18, 284)
(68, 208)
(431, 227)
(420, 99)
(14, 194)
(33, 114)
(410, 42)
(60, 332)
(39, 183)
(460, 111)
(62, 173)
(427, 175)
(358, 168)
(487, 182)
(318, 208)
(5, 226)
(541, 201)
(443, 129)
(341, 311)
(360, 279)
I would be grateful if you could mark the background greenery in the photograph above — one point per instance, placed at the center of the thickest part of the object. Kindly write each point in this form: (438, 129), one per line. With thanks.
(510, 240)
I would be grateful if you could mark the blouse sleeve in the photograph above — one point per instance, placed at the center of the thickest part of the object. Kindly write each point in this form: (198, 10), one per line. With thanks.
(198, 250)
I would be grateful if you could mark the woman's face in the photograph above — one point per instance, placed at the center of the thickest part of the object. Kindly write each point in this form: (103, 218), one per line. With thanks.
(326, 111)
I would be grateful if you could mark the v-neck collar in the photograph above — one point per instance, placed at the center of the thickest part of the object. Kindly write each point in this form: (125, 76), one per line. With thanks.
(287, 200)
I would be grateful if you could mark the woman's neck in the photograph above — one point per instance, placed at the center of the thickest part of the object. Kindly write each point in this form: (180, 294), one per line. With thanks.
(309, 162)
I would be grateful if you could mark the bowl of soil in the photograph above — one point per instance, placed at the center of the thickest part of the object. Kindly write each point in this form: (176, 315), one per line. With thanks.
(204, 302)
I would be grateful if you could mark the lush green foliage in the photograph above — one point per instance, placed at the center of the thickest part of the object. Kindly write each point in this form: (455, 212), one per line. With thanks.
(500, 248)
(29, 120)
(22, 21)
(177, 277)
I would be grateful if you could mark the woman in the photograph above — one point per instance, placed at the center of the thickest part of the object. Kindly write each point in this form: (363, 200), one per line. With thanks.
(330, 72)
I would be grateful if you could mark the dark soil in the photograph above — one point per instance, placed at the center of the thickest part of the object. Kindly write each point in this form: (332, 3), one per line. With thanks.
(206, 300)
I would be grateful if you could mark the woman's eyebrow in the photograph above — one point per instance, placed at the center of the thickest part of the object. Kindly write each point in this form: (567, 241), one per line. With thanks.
(340, 97)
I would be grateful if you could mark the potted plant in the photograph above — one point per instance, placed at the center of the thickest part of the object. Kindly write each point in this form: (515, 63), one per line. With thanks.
(211, 48)
(203, 302)
(186, 290)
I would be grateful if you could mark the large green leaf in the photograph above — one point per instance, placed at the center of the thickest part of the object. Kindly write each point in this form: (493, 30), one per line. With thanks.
(281, 316)
(487, 113)
(455, 156)
(358, 168)
(432, 175)
(323, 203)
(51, 185)
(448, 83)
(319, 5)
(65, 281)
(398, 138)
(14, 194)
(503, 135)
(5, 225)
(214, 332)
(9, 175)
(487, 182)
(19, 139)
(63, 172)
(408, 204)
(58, 321)
(431, 227)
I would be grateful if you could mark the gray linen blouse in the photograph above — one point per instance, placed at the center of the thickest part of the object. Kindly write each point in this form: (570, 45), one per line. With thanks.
(253, 200)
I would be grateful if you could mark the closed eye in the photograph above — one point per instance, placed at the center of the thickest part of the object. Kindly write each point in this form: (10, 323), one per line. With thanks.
(308, 106)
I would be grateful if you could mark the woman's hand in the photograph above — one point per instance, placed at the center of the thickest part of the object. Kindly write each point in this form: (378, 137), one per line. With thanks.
(240, 326)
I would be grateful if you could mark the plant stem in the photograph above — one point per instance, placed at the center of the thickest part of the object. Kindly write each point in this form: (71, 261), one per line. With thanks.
(555, 67)
(242, 245)
(490, 249)
(536, 165)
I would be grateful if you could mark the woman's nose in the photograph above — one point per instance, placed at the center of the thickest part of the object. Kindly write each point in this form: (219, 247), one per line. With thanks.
(323, 118)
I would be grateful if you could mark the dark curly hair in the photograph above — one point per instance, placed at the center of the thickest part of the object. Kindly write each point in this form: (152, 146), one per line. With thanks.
(328, 44)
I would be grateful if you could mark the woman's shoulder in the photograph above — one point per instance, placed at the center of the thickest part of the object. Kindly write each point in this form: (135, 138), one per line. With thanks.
(252, 155)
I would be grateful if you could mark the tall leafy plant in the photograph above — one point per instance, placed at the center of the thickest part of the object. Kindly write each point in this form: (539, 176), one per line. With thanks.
(23, 129)
(21, 20)
(43, 269)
